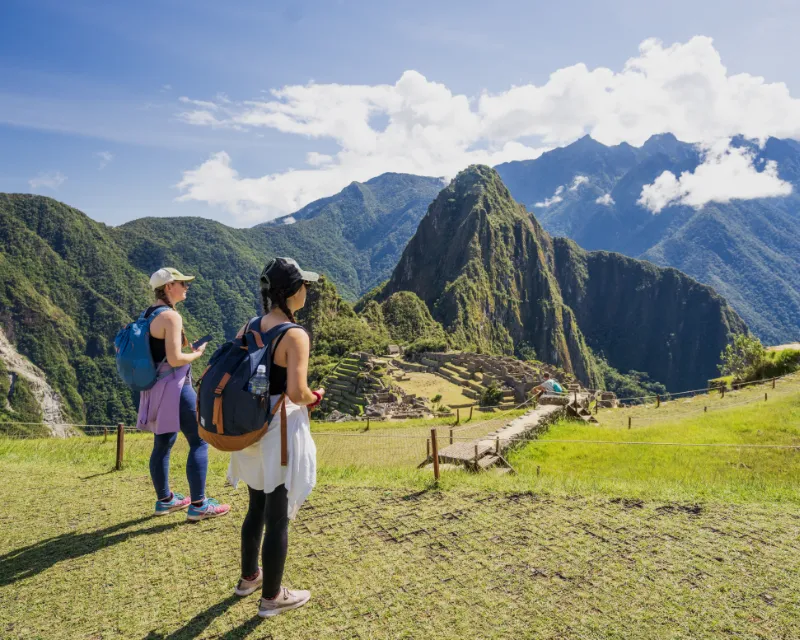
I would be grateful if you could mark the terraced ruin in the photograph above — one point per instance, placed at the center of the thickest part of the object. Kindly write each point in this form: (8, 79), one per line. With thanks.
(350, 384)
(366, 384)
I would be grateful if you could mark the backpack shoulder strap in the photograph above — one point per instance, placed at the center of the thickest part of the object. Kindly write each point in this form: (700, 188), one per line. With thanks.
(156, 312)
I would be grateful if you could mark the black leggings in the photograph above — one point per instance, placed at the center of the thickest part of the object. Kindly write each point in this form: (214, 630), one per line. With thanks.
(270, 509)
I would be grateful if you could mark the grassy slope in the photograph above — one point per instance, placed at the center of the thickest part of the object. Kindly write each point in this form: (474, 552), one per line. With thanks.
(703, 554)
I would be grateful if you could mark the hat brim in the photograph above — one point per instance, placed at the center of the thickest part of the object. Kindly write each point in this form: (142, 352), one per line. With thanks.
(183, 278)
(309, 276)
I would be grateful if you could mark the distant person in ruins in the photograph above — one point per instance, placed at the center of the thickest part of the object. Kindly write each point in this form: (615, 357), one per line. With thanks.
(169, 406)
(549, 385)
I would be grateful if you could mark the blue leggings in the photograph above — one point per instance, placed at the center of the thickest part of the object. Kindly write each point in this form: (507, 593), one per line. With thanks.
(196, 465)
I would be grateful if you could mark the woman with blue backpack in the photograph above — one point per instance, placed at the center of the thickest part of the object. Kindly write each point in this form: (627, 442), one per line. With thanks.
(169, 405)
(280, 468)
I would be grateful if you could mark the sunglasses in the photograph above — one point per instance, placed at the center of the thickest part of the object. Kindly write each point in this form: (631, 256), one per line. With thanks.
(183, 283)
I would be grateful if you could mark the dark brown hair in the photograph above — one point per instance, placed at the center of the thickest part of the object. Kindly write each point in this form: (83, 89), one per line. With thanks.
(271, 298)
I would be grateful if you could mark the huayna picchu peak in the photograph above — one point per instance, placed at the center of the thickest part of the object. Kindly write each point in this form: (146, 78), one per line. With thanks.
(499, 283)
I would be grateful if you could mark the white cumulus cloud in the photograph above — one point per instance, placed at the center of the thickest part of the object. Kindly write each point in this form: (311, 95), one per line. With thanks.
(551, 201)
(727, 173)
(426, 129)
(50, 180)
(605, 199)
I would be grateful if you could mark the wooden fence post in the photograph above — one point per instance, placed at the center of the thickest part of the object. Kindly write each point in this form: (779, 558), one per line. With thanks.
(105, 434)
(629, 422)
(497, 445)
(428, 449)
(765, 397)
(773, 383)
(705, 409)
(476, 457)
(451, 436)
(723, 390)
(120, 445)
(435, 455)
(658, 400)
(458, 416)
(471, 407)
(596, 406)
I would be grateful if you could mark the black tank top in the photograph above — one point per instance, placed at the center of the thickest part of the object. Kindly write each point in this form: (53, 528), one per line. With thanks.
(158, 347)
(277, 374)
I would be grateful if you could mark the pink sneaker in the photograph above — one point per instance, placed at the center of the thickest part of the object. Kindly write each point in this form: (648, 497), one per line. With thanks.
(175, 503)
(209, 509)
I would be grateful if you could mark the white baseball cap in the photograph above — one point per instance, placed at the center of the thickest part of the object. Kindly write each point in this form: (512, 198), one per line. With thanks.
(166, 275)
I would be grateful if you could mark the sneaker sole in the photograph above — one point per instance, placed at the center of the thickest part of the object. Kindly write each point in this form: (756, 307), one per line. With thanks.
(205, 517)
(269, 613)
(167, 512)
(247, 592)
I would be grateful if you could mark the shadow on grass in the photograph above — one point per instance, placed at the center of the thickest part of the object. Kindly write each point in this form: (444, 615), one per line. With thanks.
(29, 561)
(202, 620)
(97, 475)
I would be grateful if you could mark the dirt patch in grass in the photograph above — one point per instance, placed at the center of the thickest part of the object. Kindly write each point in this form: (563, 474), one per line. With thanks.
(389, 563)
(428, 385)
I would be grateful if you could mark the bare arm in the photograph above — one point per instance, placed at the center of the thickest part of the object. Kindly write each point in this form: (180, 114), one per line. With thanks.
(173, 326)
(297, 349)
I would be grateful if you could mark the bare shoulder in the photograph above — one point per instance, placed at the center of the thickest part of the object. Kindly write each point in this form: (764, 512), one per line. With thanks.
(297, 337)
(171, 317)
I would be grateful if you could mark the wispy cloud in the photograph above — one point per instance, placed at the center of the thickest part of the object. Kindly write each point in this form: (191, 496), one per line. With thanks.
(605, 199)
(105, 158)
(551, 201)
(727, 173)
(577, 182)
(427, 129)
(50, 180)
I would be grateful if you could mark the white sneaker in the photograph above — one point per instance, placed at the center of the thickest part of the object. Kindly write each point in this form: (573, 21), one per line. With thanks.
(246, 587)
(287, 599)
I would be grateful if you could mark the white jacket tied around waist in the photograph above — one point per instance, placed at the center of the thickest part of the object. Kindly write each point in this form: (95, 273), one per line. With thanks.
(259, 466)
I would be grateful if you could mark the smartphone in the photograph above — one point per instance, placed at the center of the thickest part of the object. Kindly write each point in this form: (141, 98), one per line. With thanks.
(201, 341)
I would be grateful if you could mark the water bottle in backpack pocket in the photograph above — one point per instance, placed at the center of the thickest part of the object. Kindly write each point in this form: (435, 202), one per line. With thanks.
(135, 363)
(233, 395)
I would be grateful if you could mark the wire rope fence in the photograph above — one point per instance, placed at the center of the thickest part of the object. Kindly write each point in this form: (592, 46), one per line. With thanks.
(401, 445)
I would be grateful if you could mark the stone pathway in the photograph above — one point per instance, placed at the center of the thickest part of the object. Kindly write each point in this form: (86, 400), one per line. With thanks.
(487, 451)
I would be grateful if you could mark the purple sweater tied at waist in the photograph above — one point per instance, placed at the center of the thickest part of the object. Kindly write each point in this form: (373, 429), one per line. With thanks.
(159, 407)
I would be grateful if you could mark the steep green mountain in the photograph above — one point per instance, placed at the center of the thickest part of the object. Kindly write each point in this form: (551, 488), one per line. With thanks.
(67, 283)
(498, 282)
(480, 263)
(747, 250)
(65, 289)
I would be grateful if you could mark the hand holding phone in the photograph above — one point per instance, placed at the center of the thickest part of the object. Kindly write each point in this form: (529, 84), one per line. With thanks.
(197, 344)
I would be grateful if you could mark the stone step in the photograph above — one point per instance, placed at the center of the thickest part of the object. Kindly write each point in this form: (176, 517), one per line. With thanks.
(488, 461)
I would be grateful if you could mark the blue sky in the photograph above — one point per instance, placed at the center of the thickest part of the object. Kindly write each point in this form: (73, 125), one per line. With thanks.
(91, 110)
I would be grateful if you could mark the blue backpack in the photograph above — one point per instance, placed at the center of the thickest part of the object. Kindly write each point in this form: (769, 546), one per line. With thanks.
(134, 361)
(229, 417)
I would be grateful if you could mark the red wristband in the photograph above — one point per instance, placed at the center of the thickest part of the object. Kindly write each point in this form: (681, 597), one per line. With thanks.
(318, 397)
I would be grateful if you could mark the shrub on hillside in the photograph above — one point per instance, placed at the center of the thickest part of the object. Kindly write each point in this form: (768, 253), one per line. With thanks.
(491, 396)
(776, 364)
(742, 357)
(433, 345)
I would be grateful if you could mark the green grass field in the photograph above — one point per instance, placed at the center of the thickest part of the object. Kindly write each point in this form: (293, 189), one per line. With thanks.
(586, 541)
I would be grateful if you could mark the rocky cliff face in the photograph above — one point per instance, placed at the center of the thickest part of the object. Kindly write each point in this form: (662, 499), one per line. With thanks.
(643, 317)
(499, 283)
